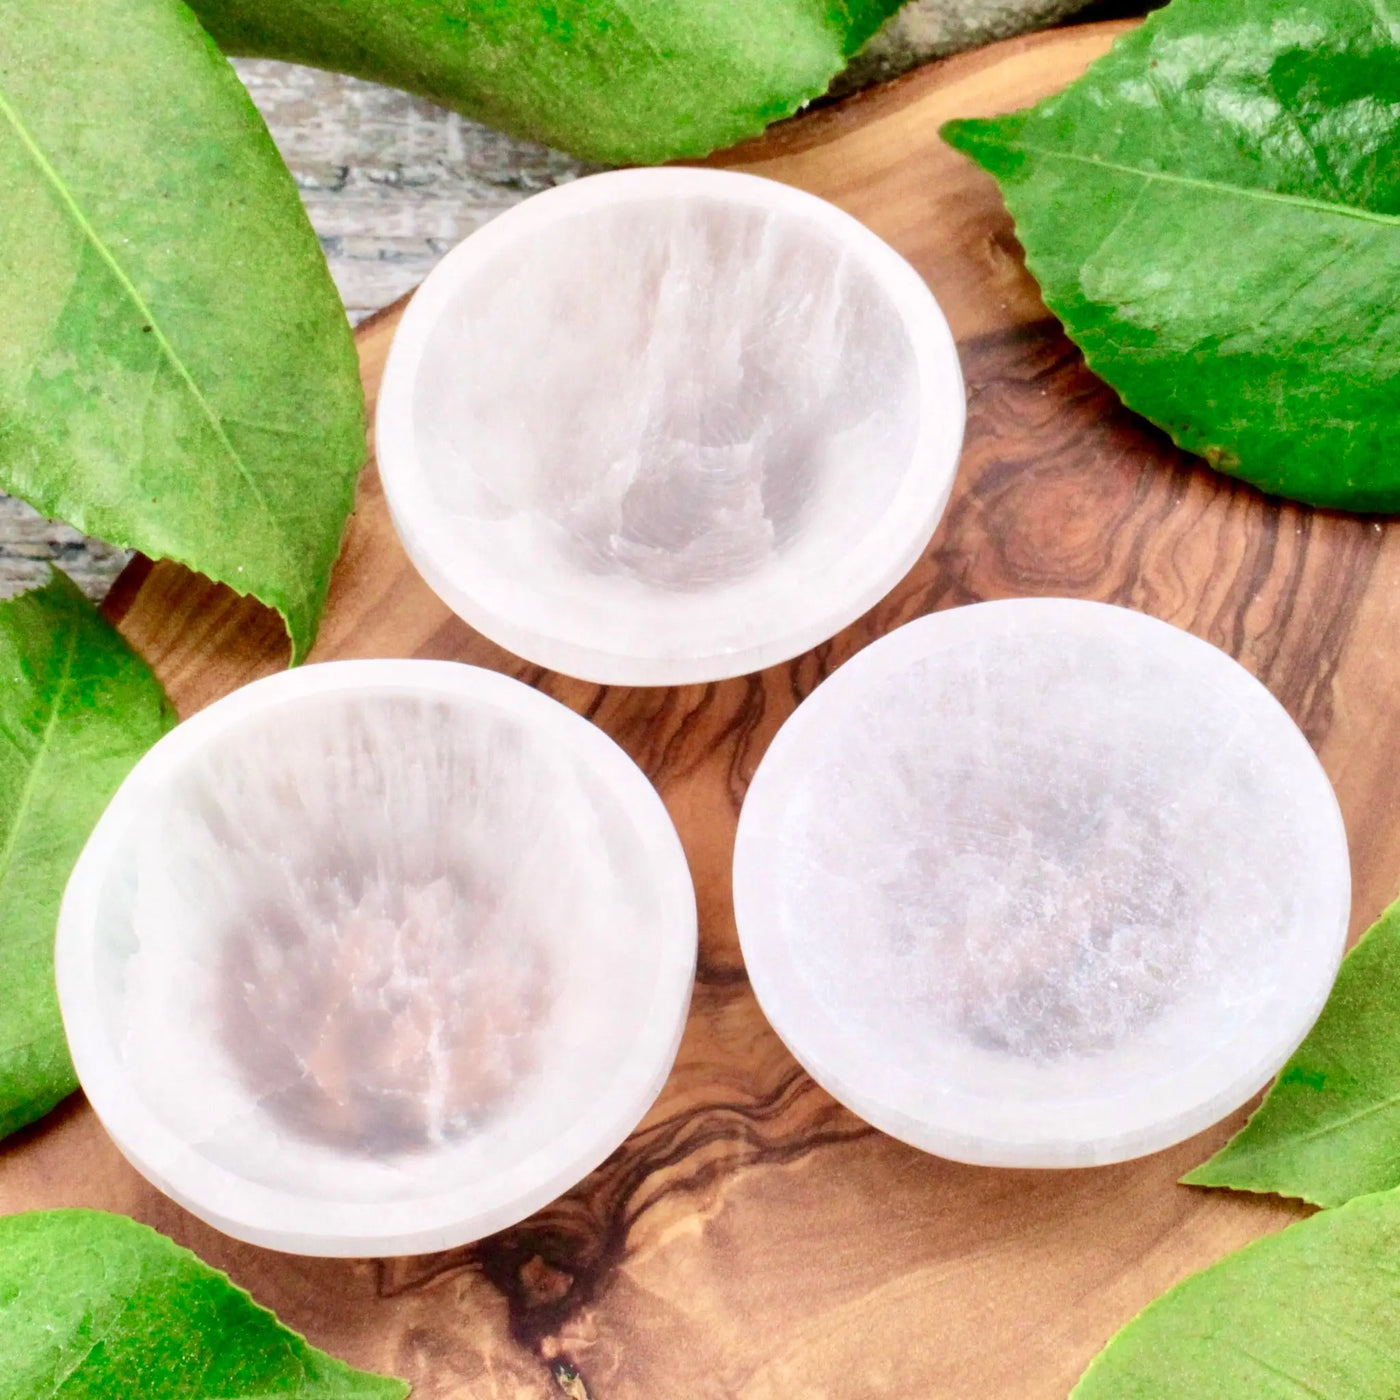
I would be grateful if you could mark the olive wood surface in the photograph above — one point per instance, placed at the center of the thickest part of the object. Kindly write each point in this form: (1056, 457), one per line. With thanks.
(753, 1239)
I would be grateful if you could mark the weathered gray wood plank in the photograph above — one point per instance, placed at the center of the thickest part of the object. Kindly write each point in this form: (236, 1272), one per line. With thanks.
(392, 182)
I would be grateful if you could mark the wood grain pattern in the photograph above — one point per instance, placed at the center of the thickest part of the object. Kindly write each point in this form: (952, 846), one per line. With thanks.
(390, 182)
(753, 1239)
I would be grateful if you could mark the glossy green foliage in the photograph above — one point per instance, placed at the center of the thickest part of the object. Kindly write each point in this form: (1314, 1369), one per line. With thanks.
(97, 1307)
(1329, 1128)
(623, 81)
(78, 707)
(176, 372)
(1213, 211)
(1311, 1312)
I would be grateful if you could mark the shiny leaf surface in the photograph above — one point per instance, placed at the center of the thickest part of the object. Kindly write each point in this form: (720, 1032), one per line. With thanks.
(1213, 211)
(1329, 1128)
(624, 81)
(78, 707)
(96, 1307)
(176, 375)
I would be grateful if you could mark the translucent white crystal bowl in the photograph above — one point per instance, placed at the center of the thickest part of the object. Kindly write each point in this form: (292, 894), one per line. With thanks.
(1041, 883)
(662, 426)
(376, 957)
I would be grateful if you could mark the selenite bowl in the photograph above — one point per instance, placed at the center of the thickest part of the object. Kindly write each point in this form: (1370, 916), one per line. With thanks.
(376, 957)
(663, 426)
(1041, 883)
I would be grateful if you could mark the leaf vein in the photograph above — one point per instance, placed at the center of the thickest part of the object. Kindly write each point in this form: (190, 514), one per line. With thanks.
(1297, 1383)
(26, 793)
(51, 175)
(1337, 1124)
(1346, 211)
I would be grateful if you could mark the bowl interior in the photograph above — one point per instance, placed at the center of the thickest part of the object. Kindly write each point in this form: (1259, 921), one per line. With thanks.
(671, 426)
(1042, 882)
(377, 946)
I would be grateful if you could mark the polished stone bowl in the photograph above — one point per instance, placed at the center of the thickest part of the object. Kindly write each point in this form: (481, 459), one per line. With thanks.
(376, 957)
(1041, 883)
(663, 426)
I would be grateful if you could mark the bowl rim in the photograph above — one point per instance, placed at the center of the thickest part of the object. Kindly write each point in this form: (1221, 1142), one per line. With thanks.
(299, 1223)
(489, 599)
(778, 986)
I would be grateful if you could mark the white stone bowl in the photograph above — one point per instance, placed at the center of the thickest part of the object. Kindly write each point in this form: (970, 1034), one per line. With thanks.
(1041, 883)
(663, 426)
(376, 957)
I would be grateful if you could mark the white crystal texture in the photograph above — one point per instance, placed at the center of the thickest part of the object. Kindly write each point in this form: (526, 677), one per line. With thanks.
(385, 955)
(668, 425)
(1041, 883)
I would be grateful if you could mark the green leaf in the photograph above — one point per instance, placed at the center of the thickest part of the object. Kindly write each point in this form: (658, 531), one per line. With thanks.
(624, 81)
(78, 707)
(97, 1307)
(1329, 1128)
(1313, 1311)
(176, 372)
(1213, 211)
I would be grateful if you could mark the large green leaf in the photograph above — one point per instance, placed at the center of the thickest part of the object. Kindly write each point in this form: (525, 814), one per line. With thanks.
(1213, 211)
(176, 370)
(78, 707)
(97, 1307)
(611, 80)
(1329, 1128)
(1311, 1312)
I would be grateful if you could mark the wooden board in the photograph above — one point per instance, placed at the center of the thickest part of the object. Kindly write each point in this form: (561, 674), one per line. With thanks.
(753, 1239)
